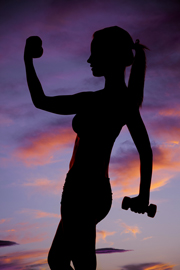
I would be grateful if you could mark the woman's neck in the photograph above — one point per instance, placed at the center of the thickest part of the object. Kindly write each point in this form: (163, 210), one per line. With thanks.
(115, 81)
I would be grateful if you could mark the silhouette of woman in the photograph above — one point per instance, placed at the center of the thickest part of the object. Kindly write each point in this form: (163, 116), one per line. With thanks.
(99, 118)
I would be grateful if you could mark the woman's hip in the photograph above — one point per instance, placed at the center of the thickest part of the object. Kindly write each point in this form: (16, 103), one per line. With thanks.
(92, 197)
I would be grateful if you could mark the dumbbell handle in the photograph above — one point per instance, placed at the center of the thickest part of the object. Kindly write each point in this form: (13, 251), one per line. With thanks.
(151, 209)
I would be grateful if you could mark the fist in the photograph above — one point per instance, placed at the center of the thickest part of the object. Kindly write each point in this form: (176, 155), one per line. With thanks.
(33, 47)
(139, 205)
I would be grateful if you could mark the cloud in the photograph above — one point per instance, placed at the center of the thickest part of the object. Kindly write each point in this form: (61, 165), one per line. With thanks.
(5, 121)
(3, 220)
(40, 150)
(110, 250)
(166, 126)
(4, 243)
(148, 266)
(45, 185)
(103, 234)
(34, 259)
(24, 232)
(125, 168)
(130, 229)
(170, 112)
(39, 214)
(147, 238)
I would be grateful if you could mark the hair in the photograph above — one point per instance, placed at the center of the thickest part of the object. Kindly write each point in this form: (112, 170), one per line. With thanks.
(119, 44)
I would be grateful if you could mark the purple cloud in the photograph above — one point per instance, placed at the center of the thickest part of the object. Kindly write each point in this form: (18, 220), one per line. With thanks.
(24, 260)
(110, 250)
(7, 243)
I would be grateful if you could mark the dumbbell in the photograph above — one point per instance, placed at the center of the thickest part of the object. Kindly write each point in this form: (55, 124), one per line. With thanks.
(151, 209)
(34, 46)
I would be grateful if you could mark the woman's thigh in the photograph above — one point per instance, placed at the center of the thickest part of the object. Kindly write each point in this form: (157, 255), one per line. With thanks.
(80, 211)
(59, 257)
(80, 232)
(74, 241)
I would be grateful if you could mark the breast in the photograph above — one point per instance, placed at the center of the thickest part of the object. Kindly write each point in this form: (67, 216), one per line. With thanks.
(99, 121)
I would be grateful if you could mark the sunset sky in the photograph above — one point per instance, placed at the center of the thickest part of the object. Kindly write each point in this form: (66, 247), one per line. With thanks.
(36, 146)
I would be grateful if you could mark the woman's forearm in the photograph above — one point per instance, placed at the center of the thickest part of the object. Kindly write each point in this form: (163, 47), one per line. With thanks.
(33, 82)
(146, 173)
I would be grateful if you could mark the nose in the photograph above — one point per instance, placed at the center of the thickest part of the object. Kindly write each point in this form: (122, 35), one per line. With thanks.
(89, 59)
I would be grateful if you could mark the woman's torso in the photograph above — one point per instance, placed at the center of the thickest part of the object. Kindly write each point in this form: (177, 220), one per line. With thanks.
(97, 128)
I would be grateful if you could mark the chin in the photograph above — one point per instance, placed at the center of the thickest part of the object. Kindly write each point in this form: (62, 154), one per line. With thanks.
(97, 73)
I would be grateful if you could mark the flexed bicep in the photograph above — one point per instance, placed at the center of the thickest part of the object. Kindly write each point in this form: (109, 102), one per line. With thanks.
(63, 104)
(66, 104)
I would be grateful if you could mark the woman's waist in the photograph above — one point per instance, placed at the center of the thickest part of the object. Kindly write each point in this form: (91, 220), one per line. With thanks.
(89, 154)
(88, 169)
(86, 181)
(90, 162)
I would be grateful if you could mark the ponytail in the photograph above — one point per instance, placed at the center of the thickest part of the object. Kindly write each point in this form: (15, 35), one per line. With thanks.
(137, 75)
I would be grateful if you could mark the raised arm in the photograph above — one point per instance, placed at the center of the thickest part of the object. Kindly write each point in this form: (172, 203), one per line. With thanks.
(140, 137)
(65, 104)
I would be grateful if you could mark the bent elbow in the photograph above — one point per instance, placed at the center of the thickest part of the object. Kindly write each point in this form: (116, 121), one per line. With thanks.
(39, 103)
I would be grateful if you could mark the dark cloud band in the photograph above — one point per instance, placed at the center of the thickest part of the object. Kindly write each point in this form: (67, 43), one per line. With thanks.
(110, 250)
(7, 243)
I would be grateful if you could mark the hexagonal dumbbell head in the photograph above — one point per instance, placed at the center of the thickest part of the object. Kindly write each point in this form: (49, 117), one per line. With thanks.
(34, 45)
(151, 210)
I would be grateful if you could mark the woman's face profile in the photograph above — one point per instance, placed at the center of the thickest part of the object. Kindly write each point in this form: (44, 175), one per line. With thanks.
(97, 59)
(104, 59)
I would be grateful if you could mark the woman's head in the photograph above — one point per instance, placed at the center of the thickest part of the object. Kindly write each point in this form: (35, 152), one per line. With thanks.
(111, 48)
(111, 53)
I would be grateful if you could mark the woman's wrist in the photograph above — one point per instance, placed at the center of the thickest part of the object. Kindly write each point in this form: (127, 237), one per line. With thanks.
(27, 58)
(144, 195)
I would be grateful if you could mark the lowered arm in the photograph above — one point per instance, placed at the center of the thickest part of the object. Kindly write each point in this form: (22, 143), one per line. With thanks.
(140, 137)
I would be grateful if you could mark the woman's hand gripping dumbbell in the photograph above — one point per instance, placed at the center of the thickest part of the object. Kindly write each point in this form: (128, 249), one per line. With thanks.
(138, 205)
(33, 47)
